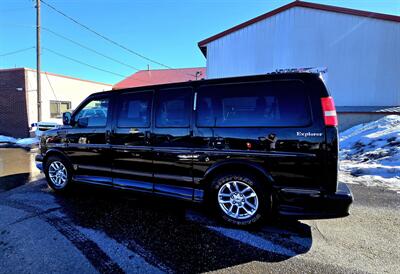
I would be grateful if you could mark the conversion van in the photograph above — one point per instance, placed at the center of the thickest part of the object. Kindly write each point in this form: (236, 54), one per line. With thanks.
(250, 147)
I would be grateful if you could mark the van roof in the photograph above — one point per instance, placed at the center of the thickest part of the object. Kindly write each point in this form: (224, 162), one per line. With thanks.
(277, 75)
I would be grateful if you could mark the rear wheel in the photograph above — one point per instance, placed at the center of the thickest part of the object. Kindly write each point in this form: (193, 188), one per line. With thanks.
(58, 173)
(240, 199)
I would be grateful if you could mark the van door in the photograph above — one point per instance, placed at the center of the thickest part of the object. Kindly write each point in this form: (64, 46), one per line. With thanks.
(87, 146)
(268, 123)
(130, 141)
(172, 142)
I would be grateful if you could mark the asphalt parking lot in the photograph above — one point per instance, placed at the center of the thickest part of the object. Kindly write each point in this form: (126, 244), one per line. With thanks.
(94, 230)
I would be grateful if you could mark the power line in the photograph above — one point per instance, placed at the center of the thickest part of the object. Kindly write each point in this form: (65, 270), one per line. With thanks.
(75, 60)
(93, 50)
(51, 86)
(17, 51)
(105, 37)
(89, 49)
(83, 63)
(102, 36)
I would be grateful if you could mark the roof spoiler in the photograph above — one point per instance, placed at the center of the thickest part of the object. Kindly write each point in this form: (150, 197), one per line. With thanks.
(322, 71)
(319, 70)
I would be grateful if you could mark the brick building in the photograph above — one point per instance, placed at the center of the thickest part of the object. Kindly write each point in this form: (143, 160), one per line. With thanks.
(18, 98)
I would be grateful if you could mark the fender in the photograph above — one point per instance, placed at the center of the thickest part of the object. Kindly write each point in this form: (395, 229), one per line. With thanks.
(249, 164)
(55, 151)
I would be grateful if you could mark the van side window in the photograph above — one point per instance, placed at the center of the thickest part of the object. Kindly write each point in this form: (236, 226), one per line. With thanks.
(134, 109)
(95, 111)
(253, 104)
(173, 107)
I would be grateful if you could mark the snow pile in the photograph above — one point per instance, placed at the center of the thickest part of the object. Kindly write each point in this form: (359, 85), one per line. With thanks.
(370, 153)
(7, 139)
(28, 142)
(24, 142)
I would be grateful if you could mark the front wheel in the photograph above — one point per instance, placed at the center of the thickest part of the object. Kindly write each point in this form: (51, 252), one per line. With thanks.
(58, 173)
(240, 199)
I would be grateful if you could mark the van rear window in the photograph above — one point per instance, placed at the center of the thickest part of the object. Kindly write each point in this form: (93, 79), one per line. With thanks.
(257, 104)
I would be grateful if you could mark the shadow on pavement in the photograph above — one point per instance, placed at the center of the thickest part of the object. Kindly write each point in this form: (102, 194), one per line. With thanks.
(12, 181)
(181, 236)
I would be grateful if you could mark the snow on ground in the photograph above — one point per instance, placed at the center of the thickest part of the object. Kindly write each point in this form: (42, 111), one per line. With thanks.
(24, 142)
(7, 139)
(28, 141)
(370, 153)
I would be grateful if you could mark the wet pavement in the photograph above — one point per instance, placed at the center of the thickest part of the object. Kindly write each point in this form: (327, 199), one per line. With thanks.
(93, 230)
(17, 167)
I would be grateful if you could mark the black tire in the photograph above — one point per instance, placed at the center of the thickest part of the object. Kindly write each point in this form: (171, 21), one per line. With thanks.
(263, 196)
(64, 187)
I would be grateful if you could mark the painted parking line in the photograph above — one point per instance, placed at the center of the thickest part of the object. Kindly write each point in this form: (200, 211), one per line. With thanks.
(253, 240)
(127, 260)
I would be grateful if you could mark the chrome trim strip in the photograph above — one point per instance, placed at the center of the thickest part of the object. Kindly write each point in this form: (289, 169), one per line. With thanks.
(77, 145)
(257, 153)
(94, 168)
(301, 191)
(124, 147)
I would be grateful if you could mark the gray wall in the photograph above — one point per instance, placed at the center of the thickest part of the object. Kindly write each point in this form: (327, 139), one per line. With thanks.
(362, 54)
(348, 120)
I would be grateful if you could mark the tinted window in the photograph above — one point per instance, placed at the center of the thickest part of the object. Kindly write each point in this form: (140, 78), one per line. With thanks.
(134, 109)
(283, 103)
(174, 107)
(95, 111)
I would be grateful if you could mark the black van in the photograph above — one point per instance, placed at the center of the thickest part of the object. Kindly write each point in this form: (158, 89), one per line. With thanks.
(250, 146)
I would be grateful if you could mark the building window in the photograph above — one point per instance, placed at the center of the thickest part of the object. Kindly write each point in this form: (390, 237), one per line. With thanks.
(57, 108)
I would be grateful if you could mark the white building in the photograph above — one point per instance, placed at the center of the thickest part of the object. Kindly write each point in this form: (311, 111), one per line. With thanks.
(360, 49)
(18, 98)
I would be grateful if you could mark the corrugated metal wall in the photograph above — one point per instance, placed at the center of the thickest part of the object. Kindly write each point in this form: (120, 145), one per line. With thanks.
(362, 54)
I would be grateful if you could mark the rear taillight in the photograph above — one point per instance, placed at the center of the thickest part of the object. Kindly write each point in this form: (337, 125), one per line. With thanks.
(329, 111)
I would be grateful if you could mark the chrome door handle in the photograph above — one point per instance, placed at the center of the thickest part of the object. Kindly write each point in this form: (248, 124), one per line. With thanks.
(133, 131)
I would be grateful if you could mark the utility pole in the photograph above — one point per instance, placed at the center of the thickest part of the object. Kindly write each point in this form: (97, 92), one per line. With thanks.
(38, 82)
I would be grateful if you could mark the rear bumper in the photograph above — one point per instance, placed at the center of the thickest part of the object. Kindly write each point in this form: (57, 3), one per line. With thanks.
(39, 162)
(311, 204)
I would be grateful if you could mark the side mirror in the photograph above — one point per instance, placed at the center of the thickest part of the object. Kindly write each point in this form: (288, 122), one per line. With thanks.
(83, 122)
(66, 117)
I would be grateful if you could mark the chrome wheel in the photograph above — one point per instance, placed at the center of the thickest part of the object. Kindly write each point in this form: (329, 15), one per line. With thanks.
(58, 174)
(238, 200)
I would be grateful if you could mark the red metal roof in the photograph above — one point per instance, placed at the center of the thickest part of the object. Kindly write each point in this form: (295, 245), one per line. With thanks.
(161, 76)
(202, 44)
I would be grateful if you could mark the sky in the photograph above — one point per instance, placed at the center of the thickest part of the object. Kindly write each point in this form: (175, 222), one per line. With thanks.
(165, 31)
